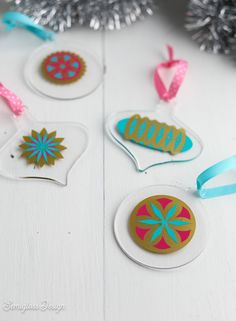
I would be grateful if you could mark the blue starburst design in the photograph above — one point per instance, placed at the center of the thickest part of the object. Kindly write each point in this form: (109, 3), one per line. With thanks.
(42, 148)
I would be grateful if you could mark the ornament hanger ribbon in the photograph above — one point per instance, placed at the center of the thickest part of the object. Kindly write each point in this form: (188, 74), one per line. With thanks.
(13, 101)
(214, 171)
(178, 78)
(16, 19)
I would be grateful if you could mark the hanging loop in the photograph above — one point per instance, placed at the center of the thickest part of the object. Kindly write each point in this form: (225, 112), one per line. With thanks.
(178, 78)
(12, 100)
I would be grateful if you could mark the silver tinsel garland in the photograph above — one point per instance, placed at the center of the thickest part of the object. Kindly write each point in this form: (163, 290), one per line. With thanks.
(57, 15)
(213, 24)
(60, 15)
(113, 14)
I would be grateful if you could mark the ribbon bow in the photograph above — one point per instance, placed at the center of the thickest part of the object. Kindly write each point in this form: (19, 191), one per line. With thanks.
(16, 19)
(13, 101)
(213, 171)
(182, 67)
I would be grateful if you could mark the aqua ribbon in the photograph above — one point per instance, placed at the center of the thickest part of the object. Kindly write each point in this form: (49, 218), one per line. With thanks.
(16, 19)
(213, 171)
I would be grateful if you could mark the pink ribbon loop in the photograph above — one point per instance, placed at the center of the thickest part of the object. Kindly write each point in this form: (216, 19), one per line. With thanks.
(178, 78)
(13, 101)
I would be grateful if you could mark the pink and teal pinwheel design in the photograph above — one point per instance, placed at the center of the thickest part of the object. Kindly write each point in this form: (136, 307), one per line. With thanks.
(162, 224)
(168, 223)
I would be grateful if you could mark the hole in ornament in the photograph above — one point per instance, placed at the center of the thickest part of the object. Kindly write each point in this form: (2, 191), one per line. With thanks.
(12, 156)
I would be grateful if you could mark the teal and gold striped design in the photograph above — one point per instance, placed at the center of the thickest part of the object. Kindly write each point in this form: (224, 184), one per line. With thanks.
(155, 135)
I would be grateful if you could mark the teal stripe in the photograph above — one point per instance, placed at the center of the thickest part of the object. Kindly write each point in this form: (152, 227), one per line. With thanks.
(150, 222)
(142, 129)
(156, 233)
(45, 157)
(171, 234)
(171, 212)
(45, 137)
(39, 138)
(156, 211)
(50, 139)
(29, 149)
(132, 126)
(159, 135)
(169, 137)
(50, 153)
(178, 223)
(33, 154)
(178, 140)
(30, 144)
(54, 149)
(33, 139)
(39, 156)
(54, 144)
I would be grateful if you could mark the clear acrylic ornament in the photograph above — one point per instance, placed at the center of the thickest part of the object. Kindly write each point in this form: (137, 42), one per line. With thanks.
(157, 137)
(83, 86)
(149, 259)
(13, 129)
(143, 156)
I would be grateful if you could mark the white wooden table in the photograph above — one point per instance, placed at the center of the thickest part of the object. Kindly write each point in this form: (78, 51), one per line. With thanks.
(57, 244)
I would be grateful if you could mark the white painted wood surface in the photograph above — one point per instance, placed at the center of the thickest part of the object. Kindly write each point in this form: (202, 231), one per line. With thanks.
(57, 244)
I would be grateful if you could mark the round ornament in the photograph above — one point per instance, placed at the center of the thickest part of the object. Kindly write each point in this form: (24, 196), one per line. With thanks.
(63, 71)
(63, 67)
(162, 224)
(161, 227)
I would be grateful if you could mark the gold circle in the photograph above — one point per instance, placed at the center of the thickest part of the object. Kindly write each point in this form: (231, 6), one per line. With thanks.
(149, 245)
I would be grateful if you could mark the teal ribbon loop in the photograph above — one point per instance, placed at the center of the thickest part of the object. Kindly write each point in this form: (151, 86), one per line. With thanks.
(16, 19)
(213, 171)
